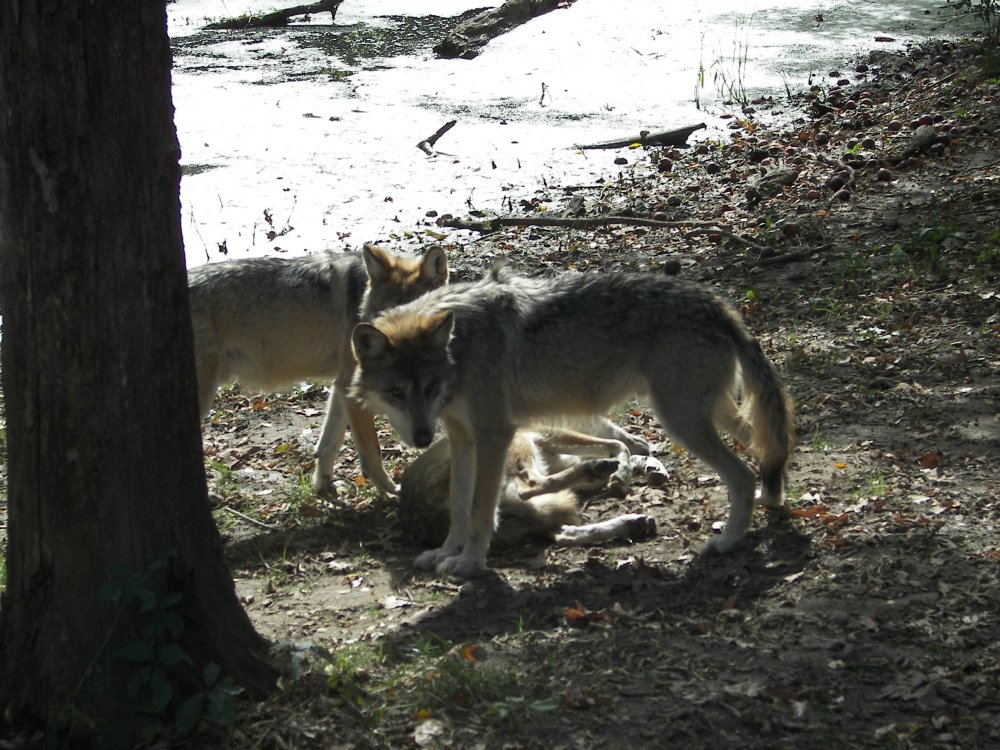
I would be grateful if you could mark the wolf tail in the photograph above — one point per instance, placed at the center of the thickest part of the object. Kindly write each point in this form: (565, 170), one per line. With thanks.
(767, 409)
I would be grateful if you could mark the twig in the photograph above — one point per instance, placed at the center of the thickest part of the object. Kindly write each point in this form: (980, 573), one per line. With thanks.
(587, 222)
(728, 235)
(251, 521)
(775, 260)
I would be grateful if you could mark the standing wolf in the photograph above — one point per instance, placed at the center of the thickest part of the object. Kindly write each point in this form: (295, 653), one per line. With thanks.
(506, 351)
(274, 321)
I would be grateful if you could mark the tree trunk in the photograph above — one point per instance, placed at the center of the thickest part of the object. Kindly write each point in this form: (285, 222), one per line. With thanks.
(105, 473)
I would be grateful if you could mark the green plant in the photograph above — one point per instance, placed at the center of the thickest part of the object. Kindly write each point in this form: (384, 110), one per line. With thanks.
(161, 669)
(729, 74)
(987, 12)
(874, 485)
(699, 83)
(818, 442)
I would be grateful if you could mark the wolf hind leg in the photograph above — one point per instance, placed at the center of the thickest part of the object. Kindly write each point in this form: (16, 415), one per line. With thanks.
(694, 428)
(208, 375)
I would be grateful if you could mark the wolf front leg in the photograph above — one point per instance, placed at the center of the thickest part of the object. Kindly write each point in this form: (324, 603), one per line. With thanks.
(369, 451)
(339, 413)
(490, 454)
(463, 479)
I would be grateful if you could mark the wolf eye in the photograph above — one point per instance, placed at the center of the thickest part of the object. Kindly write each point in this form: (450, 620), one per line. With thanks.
(396, 393)
(431, 389)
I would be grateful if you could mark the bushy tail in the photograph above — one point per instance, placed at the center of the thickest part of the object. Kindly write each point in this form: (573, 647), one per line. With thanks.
(768, 409)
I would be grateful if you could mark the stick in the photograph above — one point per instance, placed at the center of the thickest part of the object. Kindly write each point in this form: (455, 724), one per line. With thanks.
(586, 222)
(676, 137)
(251, 521)
(427, 145)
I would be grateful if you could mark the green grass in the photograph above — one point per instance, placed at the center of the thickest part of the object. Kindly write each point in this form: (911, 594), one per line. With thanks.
(430, 678)
(729, 71)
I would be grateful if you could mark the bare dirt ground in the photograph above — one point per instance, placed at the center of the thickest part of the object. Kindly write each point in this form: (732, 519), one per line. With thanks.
(866, 618)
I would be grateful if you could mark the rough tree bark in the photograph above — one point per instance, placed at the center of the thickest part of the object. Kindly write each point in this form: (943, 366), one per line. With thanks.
(471, 35)
(104, 450)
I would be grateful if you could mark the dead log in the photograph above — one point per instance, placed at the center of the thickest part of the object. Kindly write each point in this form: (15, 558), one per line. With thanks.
(470, 36)
(676, 137)
(279, 17)
(427, 144)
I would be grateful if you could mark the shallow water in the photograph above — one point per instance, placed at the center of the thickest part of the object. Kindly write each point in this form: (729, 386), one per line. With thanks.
(305, 138)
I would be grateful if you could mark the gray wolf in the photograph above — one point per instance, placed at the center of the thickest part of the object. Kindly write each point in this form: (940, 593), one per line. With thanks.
(489, 356)
(544, 469)
(271, 322)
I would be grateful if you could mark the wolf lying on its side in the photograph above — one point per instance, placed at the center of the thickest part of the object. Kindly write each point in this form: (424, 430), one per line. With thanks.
(537, 499)
(489, 356)
(274, 321)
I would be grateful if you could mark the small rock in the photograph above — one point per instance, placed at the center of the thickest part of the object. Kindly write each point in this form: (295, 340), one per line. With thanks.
(672, 267)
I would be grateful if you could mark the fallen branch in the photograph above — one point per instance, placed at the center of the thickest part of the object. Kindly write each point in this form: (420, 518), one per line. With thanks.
(676, 137)
(427, 144)
(471, 35)
(278, 17)
(247, 519)
(776, 260)
(588, 222)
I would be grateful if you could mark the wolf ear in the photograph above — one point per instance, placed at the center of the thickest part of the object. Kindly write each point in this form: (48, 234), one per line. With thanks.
(440, 334)
(377, 262)
(434, 267)
(369, 342)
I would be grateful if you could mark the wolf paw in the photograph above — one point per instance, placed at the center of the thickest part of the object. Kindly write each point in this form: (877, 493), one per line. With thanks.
(322, 484)
(637, 526)
(430, 559)
(461, 566)
(721, 544)
(649, 468)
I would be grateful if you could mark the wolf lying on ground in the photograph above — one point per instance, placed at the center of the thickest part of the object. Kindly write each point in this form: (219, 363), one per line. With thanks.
(537, 499)
(493, 355)
(275, 321)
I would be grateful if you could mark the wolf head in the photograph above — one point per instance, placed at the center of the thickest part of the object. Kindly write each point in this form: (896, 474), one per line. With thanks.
(404, 371)
(396, 279)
